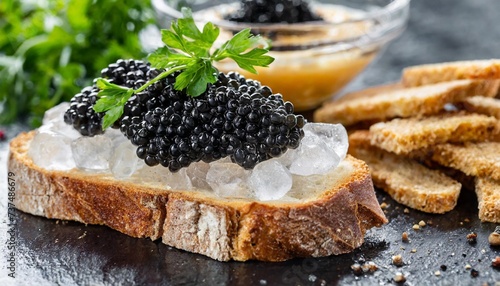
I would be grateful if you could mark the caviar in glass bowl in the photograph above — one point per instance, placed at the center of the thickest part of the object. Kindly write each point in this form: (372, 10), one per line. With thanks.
(318, 46)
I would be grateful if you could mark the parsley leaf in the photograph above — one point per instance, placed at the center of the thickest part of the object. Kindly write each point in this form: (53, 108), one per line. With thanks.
(187, 49)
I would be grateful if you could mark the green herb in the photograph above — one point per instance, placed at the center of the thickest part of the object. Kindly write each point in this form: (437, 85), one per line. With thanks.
(49, 49)
(188, 50)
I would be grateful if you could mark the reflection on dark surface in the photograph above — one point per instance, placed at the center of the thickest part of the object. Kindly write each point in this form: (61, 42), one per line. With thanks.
(71, 253)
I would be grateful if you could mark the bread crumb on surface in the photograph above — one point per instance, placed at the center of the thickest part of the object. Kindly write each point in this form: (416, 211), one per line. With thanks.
(356, 268)
(494, 238)
(413, 250)
(437, 273)
(404, 237)
(406, 211)
(416, 227)
(495, 262)
(397, 260)
(83, 235)
(369, 267)
(384, 205)
(399, 278)
(421, 223)
(472, 238)
(468, 266)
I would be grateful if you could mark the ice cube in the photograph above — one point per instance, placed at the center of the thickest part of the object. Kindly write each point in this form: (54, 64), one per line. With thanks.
(178, 180)
(334, 135)
(92, 153)
(313, 156)
(197, 172)
(56, 113)
(228, 180)
(53, 122)
(124, 161)
(51, 151)
(116, 136)
(150, 175)
(270, 180)
(161, 176)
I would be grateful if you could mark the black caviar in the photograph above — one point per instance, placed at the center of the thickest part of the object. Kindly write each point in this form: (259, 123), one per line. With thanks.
(234, 117)
(273, 11)
(128, 73)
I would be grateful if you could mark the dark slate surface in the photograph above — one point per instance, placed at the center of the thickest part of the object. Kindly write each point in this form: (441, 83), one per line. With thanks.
(52, 252)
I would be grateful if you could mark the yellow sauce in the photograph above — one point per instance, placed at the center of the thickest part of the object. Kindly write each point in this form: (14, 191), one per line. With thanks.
(308, 77)
(308, 83)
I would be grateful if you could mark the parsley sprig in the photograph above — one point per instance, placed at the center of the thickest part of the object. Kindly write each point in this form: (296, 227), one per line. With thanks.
(187, 49)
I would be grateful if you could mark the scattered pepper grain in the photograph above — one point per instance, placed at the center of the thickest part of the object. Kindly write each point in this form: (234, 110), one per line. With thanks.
(474, 273)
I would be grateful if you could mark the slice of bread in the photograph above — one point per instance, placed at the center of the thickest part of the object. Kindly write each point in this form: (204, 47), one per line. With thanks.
(393, 102)
(402, 136)
(483, 105)
(440, 72)
(404, 179)
(488, 196)
(332, 220)
(371, 91)
(474, 159)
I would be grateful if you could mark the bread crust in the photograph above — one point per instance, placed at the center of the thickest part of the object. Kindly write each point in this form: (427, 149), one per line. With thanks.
(439, 72)
(483, 105)
(403, 136)
(488, 196)
(404, 179)
(474, 159)
(387, 102)
(333, 222)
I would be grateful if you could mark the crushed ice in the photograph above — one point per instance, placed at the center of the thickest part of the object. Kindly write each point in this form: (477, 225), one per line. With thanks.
(57, 146)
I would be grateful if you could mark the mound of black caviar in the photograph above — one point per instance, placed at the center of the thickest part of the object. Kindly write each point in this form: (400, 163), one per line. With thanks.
(273, 11)
(128, 73)
(234, 117)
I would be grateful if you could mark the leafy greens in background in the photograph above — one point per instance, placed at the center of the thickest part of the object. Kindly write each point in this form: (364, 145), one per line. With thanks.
(51, 48)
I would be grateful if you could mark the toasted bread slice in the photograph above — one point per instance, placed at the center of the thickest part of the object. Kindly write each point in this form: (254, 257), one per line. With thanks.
(331, 220)
(483, 105)
(408, 102)
(404, 179)
(402, 136)
(440, 72)
(474, 159)
(371, 91)
(488, 196)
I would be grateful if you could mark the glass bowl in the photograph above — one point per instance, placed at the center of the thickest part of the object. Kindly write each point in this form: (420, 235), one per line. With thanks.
(313, 60)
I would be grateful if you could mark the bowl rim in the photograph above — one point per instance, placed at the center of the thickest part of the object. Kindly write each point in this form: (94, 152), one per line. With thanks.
(391, 8)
